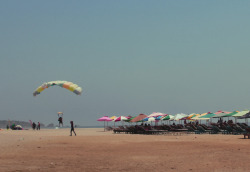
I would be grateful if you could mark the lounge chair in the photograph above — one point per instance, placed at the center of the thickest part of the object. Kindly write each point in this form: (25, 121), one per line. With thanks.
(190, 130)
(202, 130)
(215, 130)
(229, 130)
(120, 129)
(239, 130)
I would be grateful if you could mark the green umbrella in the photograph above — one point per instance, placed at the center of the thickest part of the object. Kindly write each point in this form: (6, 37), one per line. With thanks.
(207, 116)
(166, 118)
(128, 120)
(231, 114)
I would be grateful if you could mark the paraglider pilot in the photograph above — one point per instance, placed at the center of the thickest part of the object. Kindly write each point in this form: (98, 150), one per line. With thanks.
(60, 120)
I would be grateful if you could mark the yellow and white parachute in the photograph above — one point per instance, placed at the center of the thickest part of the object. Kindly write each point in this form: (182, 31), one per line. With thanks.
(64, 84)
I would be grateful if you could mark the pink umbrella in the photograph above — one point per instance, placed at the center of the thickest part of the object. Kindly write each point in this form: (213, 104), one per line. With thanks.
(104, 118)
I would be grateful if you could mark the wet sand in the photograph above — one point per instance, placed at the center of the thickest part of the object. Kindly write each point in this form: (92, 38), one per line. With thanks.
(93, 150)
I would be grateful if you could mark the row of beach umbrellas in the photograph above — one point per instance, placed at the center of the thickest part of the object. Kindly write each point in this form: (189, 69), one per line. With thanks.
(158, 116)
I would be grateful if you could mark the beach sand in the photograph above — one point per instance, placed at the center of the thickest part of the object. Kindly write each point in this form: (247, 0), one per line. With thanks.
(93, 150)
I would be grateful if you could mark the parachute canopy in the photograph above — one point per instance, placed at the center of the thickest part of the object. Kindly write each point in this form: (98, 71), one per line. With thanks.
(64, 84)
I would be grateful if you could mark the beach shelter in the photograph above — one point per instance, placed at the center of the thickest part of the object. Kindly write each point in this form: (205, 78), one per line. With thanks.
(246, 116)
(168, 117)
(179, 116)
(188, 116)
(207, 116)
(121, 118)
(191, 117)
(138, 118)
(113, 117)
(197, 117)
(230, 114)
(149, 119)
(104, 118)
(159, 118)
(156, 114)
(240, 114)
(129, 119)
(220, 114)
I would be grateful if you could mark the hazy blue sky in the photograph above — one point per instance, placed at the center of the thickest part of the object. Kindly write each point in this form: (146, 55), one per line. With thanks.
(129, 57)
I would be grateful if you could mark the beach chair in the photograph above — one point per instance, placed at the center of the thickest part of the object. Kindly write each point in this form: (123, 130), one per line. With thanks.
(206, 127)
(242, 125)
(215, 130)
(190, 130)
(120, 129)
(130, 130)
(239, 130)
(202, 130)
(229, 130)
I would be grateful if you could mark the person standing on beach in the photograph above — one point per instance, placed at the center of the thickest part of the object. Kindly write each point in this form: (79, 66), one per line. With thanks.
(60, 119)
(38, 126)
(72, 128)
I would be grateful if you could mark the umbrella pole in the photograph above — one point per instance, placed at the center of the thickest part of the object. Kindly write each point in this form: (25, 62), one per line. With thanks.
(104, 125)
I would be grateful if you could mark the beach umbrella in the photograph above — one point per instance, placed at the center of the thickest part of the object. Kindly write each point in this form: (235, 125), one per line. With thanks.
(121, 118)
(246, 116)
(149, 119)
(220, 114)
(168, 117)
(139, 118)
(155, 114)
(240, 114)
(190, 118)
(159, 118)
(198, 116)
(104, 118)
(207, 116)
(231, 114)
(113, 117)
(129, 119)
(179, 116)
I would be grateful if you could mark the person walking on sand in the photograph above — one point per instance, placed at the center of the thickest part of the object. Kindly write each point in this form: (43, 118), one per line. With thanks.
(72, 128)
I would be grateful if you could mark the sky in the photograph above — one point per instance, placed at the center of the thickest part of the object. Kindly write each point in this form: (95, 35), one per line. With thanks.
(129, 57)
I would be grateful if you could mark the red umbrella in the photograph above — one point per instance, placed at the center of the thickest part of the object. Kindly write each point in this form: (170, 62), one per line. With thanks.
(139, 118)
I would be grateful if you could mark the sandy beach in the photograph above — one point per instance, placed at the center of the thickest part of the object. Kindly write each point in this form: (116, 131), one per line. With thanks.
(93, 150)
